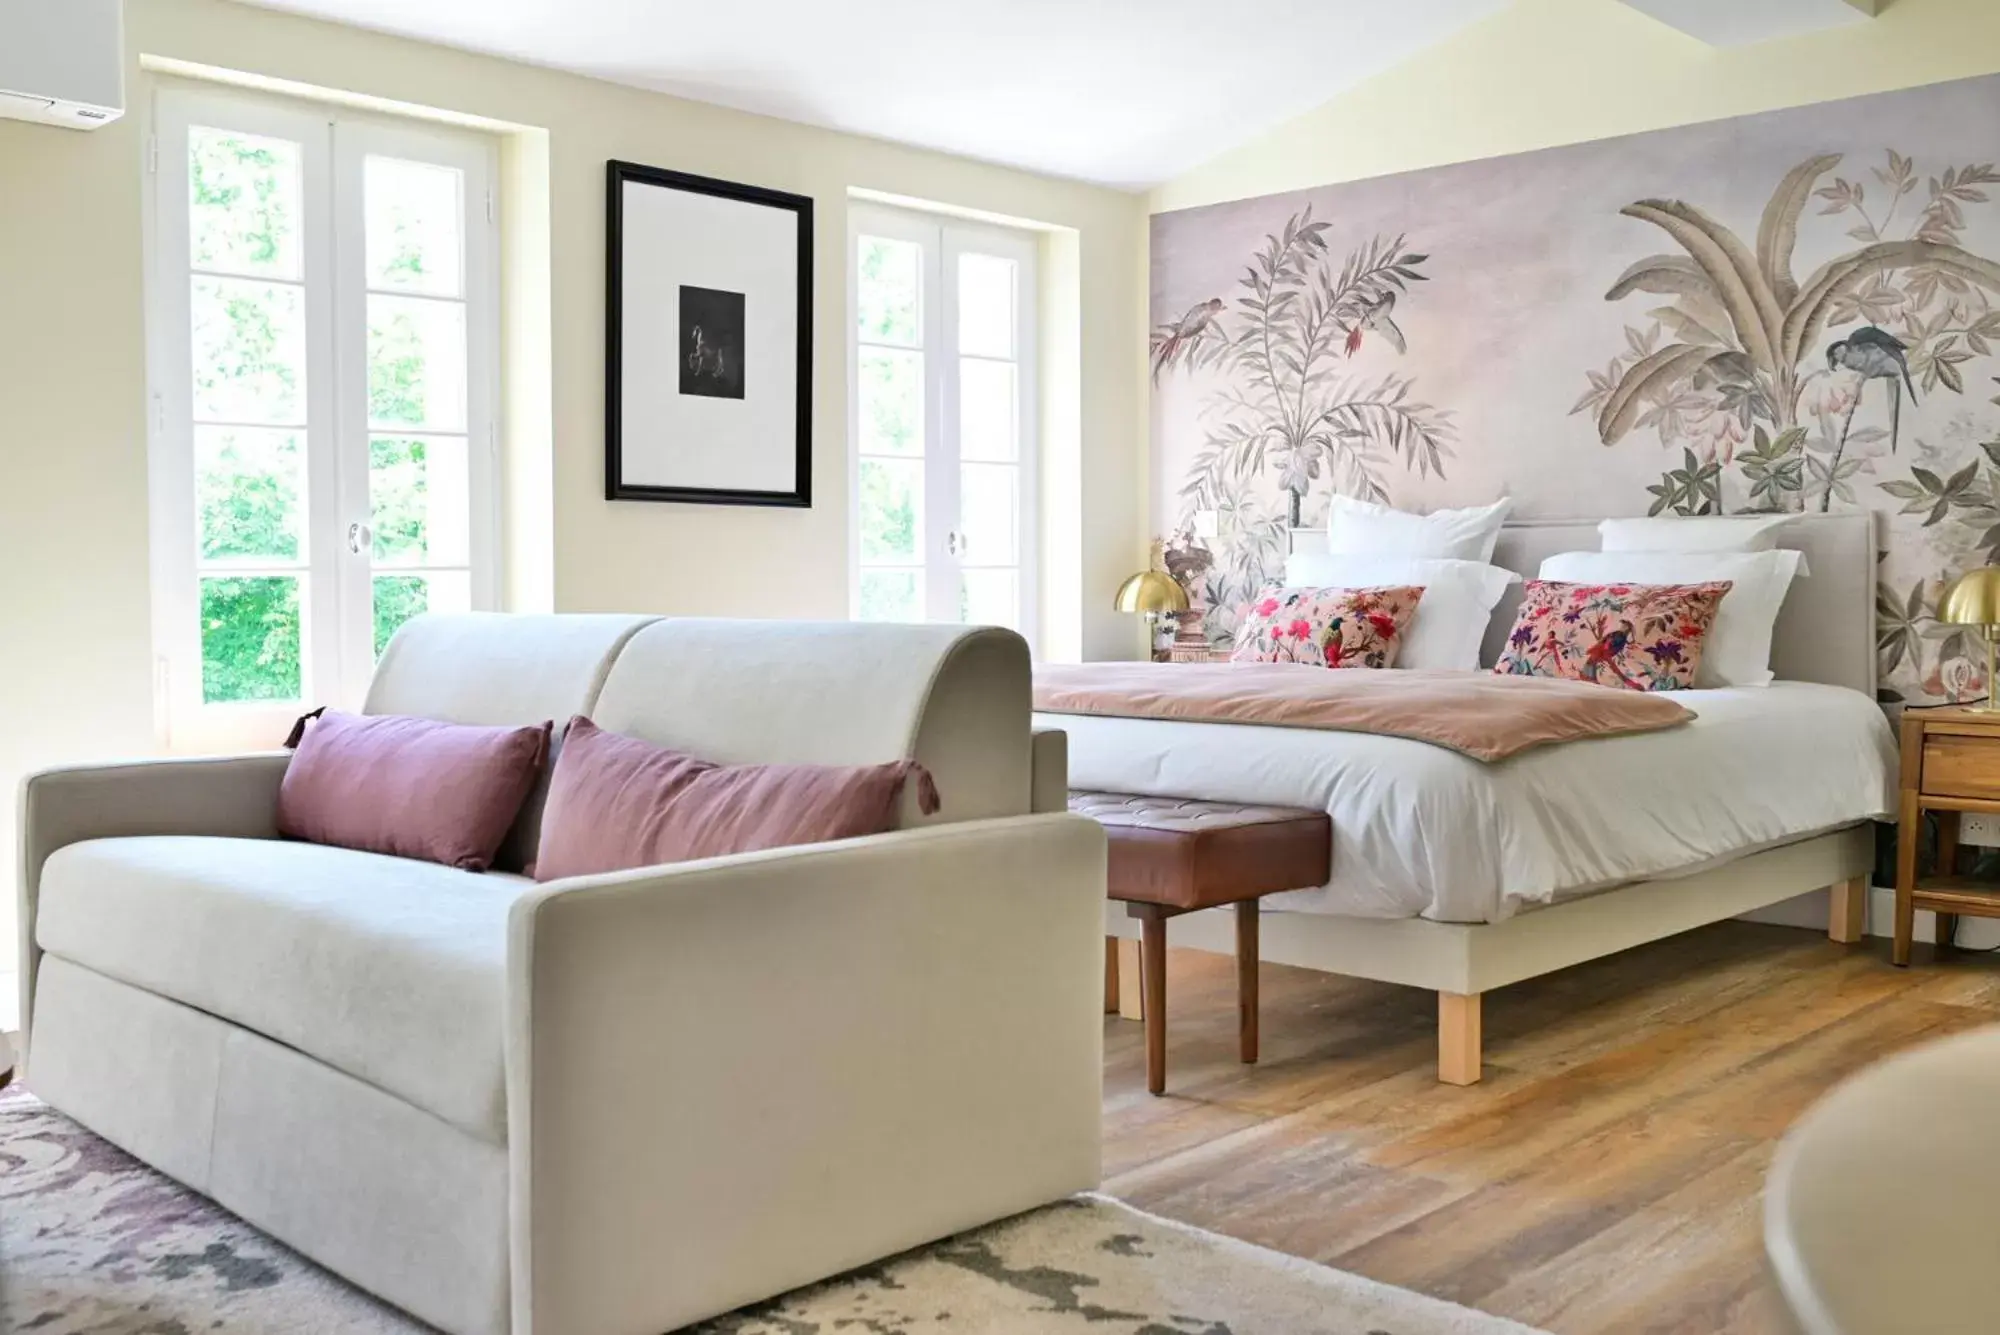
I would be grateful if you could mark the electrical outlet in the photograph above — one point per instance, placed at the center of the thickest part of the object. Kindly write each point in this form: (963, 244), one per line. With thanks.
(1979, 828)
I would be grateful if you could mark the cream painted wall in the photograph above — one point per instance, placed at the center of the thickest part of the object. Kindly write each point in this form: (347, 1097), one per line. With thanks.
(1547, 72)
(74, 641)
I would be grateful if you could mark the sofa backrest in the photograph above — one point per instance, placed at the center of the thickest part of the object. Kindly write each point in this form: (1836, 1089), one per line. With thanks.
(954, 698)
(497, 669)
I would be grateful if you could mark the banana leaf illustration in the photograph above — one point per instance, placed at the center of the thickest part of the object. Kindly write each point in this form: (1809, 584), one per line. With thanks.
(1739, 314)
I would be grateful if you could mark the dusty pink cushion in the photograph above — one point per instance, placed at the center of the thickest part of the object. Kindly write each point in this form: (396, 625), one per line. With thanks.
(411, 787)
(617, 802)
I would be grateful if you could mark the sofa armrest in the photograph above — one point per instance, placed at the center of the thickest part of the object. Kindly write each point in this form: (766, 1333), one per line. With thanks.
(1049, 786)
(219, 795)
(729, 1078)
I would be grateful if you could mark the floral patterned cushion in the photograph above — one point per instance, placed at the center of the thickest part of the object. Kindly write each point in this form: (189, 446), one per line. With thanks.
(1335, 628)
(1645, 637)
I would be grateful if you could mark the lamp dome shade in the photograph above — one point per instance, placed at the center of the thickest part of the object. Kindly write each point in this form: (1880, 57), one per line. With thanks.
(1973, 599)
(1151, 591)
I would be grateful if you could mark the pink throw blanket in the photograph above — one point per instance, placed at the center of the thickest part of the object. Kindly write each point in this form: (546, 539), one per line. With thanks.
(1478, 714)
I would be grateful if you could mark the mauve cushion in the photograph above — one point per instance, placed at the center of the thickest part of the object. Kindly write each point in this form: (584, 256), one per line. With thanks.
(616, 802)
(410, 787)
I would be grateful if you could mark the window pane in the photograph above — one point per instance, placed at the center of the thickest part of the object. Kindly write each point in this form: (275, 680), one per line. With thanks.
(416, 363)
(415, 226)
(986, 407)
(990, 598)
(892, 401)
(990, 505)
(891, 494)
(892, 595)
(888, 291)
(419, 493)
(400, 597)
(250, 638)
(250, 489)
(249, 352)
(986, 305)
(243, 203)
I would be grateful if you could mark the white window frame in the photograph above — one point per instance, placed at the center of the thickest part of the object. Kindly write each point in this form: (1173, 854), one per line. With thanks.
(336, 632)
(942, 239)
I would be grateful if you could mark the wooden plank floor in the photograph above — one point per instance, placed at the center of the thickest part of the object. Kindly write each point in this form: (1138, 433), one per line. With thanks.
(1605, 1175)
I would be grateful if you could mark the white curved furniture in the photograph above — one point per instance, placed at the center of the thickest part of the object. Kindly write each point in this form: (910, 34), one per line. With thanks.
(609, 1104)
(1882, 1210)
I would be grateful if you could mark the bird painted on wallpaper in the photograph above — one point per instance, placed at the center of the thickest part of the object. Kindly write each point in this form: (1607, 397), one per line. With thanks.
(1379, 316)
(1175, 341)
(1876, 354)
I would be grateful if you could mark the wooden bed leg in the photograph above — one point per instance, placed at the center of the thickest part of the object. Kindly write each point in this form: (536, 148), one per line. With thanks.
(1847, 912)
(1110, 975)
(1458, 1038)
(1131, 1003)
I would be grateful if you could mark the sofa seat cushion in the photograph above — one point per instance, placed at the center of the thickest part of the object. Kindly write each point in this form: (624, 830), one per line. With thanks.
(390, 970)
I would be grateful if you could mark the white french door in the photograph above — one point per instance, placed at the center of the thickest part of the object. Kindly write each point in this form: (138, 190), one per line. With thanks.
(942, 419)
(323, 298)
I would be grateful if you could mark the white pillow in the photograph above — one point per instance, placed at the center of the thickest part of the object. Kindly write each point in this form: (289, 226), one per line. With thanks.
(1738, 651)
(1452, 617)
(1365, 529)
(1697, 533)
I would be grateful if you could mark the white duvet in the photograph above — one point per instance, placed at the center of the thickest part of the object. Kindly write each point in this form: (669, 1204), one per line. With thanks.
(1419, 830)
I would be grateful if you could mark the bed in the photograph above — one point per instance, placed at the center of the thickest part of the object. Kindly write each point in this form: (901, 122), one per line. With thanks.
(1461, 877)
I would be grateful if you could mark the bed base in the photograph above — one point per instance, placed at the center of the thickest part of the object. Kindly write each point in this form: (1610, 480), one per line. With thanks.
(1462, 961)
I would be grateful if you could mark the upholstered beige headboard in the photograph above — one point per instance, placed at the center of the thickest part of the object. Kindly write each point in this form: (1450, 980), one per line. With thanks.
(1825, 633)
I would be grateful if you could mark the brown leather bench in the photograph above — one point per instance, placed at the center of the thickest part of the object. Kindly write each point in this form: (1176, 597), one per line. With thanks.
(1171, 855)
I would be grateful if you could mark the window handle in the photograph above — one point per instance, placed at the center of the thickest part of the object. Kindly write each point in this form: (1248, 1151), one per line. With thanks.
(360, 538)
(954, 543)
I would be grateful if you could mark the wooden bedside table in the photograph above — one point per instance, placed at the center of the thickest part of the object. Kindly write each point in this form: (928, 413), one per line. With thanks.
(1951, 765)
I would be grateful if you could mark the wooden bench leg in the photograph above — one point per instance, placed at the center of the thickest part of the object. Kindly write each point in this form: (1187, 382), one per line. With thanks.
(1153, 971)
(1131, 1000)
(1458, 1038)
(1110, 975)
(1847, 912)
(1246, 980)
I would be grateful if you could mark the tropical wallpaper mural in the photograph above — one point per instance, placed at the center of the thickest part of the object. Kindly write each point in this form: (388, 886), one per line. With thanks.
(1797, 311)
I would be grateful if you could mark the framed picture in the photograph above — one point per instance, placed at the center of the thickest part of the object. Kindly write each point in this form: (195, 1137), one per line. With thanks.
(708, 341)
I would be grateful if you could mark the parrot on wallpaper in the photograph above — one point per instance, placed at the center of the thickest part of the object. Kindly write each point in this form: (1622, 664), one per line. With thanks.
(1876, 354)
(1378, 316)
(1172, 342)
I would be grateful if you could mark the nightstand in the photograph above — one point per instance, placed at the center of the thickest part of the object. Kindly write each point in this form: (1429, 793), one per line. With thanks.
(1951, 765)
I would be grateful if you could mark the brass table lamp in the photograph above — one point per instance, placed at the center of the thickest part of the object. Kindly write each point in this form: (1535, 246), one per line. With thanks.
(1973, 599)
(1153, 595)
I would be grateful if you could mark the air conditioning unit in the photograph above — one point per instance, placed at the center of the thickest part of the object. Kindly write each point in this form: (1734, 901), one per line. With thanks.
(62, 62)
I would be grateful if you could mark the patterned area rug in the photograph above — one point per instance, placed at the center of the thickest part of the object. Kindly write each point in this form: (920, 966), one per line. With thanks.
(92, 1242)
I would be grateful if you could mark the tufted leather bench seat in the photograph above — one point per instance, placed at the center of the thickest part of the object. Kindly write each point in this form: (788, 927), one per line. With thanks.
(1174, 855)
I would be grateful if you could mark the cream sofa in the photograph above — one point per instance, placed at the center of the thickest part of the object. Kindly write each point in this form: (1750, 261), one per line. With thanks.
(616, 1103)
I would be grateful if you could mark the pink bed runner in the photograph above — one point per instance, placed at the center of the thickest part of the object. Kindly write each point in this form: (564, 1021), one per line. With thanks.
(1478, 714)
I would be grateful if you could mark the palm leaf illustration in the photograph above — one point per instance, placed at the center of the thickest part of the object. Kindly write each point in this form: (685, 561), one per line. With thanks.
(1662, 370)
(1778, 233)
(1739, 283)
(1806, 319)
(1669, 275)
(1730, 298)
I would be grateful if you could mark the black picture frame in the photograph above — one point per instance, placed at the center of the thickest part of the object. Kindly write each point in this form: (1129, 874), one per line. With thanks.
(616, 487)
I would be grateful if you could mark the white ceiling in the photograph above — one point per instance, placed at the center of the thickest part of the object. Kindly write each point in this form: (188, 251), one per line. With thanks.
(1121, 92)
(1740, 22)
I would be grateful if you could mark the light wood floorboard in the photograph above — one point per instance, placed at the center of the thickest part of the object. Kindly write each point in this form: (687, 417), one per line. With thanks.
(1605, 1175)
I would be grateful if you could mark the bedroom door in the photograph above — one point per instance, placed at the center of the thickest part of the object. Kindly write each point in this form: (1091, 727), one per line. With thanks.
(942, 421)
